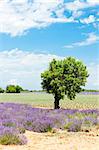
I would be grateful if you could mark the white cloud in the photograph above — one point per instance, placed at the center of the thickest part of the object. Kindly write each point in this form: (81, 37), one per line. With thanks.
(91, 39)
(78, 5)
(77, 14)
(23, 68)
(75, 5)
(93, 2)
(88, 20)
(13, 82)
(93, 79)
(17, 16)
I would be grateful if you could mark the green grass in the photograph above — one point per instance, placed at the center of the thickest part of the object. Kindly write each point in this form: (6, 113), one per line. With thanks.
(47, 100)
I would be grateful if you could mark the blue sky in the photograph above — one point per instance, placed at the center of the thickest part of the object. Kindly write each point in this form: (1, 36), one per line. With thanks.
(32, 33)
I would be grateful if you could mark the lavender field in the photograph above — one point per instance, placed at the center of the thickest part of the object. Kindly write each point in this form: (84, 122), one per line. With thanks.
(15, 118)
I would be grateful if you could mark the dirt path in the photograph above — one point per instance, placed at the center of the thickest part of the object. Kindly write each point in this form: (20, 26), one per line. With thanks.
(61, 140)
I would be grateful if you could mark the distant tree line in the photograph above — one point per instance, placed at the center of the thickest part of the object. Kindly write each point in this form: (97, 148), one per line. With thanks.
(19, 89)
(1, 90)
(89, 90)
(12, 89)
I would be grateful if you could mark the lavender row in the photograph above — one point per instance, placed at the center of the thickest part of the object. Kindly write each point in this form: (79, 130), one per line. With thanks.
(16, 118)
(90, 93)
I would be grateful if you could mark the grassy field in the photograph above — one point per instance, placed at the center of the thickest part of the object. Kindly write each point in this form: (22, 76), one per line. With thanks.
(47, 100)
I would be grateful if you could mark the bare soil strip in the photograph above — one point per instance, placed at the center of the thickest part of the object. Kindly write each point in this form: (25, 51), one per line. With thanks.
(61, 140)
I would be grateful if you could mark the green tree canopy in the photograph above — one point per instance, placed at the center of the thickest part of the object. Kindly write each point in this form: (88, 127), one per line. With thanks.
(13, 89)
(18, 89)
(64, 77)
(1, 90)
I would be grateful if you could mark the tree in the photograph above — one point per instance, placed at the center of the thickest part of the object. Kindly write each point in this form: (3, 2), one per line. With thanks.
(18, 89)
(1, 90)
(13, 89)
(64, 77)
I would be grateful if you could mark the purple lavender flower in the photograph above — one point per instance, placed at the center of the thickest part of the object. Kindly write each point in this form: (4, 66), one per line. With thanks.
(16, 118)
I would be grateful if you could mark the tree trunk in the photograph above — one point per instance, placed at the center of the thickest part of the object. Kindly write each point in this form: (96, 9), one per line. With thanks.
(56, 102)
